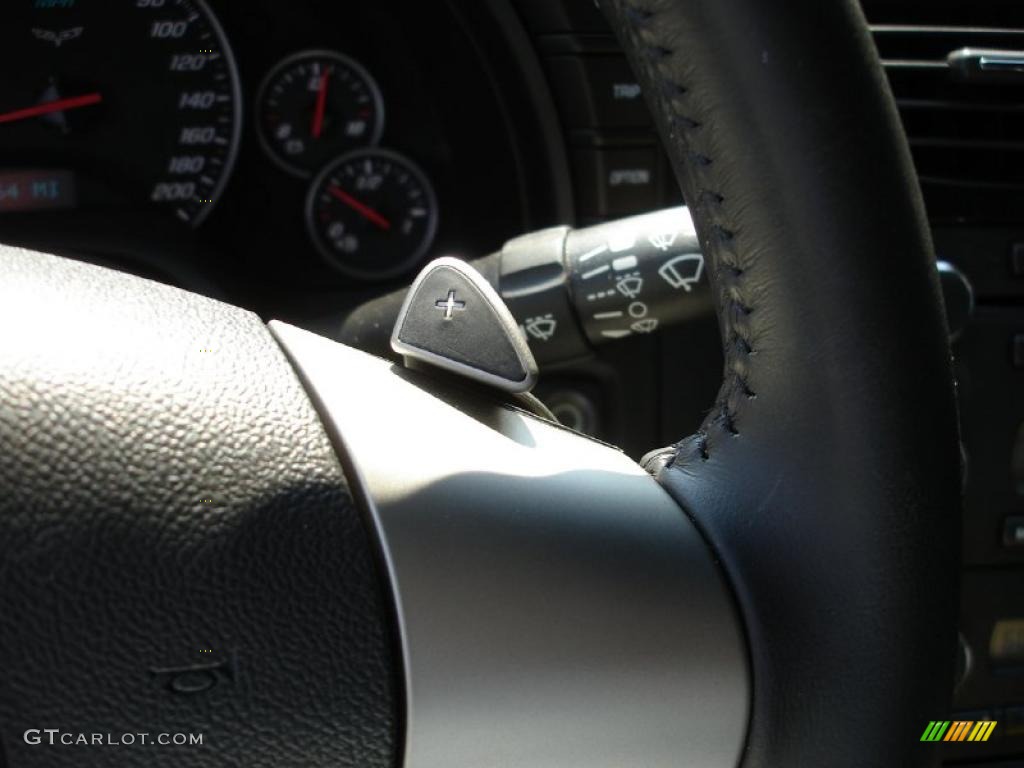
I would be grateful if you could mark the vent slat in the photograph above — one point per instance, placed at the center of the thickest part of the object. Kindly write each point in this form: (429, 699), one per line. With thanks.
(966, 144)
(913, 64)
(957, 106)
(967, 138)
(973, 184)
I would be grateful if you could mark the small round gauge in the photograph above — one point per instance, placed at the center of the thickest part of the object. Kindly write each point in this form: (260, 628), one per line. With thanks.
(315, 105)
(372, 213)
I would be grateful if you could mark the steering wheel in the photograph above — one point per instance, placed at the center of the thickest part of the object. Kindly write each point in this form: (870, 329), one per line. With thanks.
(307, 556)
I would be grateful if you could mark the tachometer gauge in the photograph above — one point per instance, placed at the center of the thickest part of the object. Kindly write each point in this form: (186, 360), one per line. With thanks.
(315, 105)
(372, 213)
(115, 105)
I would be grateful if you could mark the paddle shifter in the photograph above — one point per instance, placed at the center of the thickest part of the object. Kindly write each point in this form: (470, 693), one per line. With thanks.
(571, 289)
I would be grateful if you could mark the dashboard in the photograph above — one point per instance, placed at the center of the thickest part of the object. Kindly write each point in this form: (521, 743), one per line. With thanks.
(259, 152)
(300, 158)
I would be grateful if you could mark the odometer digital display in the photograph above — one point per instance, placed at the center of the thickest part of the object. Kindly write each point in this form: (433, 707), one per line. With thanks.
(36, 190)
(138, 99)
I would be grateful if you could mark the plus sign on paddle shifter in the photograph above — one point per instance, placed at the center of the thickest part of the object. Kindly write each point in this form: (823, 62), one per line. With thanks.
(450, 304)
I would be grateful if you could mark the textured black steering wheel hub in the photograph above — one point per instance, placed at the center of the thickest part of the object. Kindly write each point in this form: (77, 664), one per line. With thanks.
(179, 549)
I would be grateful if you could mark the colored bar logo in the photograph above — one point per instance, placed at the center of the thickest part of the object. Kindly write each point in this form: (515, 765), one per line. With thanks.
(959, 730)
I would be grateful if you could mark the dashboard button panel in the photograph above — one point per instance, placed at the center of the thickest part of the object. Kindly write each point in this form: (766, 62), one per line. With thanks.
(598, 92)
(617, 182)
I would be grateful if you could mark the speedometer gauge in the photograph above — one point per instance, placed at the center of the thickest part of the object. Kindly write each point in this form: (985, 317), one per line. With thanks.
(115, 105)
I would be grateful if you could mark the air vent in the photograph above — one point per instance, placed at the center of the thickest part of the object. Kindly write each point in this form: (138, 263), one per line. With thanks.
(960, 90)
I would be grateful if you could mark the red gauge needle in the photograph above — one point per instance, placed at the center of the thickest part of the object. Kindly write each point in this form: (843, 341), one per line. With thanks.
(363, 210)
(321, 102)
(60, 105)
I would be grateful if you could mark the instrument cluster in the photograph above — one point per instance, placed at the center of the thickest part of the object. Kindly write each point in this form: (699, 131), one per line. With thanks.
(299, 146)
(370, 212)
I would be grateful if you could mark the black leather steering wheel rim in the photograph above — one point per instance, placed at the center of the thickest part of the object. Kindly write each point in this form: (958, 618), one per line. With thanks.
(168, 482)
(826, 476)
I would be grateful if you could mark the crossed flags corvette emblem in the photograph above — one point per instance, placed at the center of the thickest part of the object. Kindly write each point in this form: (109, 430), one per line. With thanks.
(58, 38)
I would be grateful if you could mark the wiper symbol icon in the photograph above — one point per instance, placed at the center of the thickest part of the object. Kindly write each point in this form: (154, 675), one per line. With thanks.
(683, 271)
